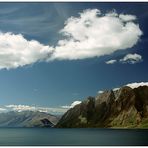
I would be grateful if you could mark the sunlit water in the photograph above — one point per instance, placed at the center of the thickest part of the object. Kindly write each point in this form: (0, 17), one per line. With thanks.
(71, 137)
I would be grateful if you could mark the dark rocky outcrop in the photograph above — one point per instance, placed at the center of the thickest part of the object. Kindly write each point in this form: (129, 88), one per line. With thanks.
(46, 123)
(124, 108)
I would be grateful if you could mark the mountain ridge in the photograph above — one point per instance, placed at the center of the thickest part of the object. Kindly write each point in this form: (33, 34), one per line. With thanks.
(27, 119)
(123, 108)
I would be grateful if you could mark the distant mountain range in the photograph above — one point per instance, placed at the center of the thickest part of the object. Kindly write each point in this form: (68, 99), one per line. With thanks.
(122, 108)
(27, 119)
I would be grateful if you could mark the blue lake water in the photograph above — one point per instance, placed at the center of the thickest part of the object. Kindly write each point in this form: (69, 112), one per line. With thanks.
(71, 137)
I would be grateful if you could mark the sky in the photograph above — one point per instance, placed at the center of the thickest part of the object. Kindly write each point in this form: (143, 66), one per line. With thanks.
(53, 54)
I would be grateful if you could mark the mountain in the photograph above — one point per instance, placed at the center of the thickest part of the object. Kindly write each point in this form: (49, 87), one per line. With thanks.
(27, 119)
(123, 108)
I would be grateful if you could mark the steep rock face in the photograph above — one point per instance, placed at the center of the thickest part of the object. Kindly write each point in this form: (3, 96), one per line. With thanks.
(141, 101)
(103, 107)
(124, 108)
(79, 115)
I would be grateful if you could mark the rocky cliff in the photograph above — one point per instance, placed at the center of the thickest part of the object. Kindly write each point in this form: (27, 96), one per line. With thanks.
(123, 108)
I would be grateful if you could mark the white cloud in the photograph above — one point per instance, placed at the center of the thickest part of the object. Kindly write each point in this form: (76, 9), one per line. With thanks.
(66, 107)
(131, 58)
(2, 110)
(94, 34)
(135, 85)
(127, 17)
(16, 51)
(111, 61)
(91, 34)
(100, 92)
(20, 108)
(75, 103)
(115, 89)
(72, 105)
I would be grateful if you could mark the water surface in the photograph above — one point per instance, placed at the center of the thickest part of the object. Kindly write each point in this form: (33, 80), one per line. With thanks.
(71, 137)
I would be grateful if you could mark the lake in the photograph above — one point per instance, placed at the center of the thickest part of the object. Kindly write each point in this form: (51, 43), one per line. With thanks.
(71, 137)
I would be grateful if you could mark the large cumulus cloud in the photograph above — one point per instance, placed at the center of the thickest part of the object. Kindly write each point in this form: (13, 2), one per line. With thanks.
(17, 51)
(94, 34)
(90, 34)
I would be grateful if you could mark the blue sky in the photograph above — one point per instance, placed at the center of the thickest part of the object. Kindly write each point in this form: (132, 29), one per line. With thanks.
(53, 81)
